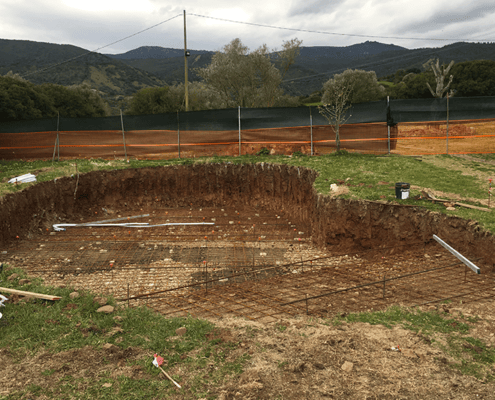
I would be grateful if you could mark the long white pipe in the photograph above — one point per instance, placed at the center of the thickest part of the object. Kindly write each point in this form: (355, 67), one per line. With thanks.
(468, 263)
(61, 227)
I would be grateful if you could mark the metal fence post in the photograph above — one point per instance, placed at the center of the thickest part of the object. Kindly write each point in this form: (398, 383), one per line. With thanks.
(239, 118)
(388, 126)
(311, 129)
(447, 123)
(178, 132)
(123, 133)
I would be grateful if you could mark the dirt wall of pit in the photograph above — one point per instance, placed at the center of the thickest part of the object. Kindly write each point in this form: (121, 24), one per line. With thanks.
(338, 224)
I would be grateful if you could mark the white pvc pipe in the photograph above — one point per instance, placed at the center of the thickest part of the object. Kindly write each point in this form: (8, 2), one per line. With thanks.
(61, 227)
(468, 263)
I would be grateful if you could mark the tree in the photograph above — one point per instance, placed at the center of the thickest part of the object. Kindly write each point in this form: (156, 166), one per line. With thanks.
(172, 98)
(247, 79)
(474, 78)
(154, 101)
(287, 56)
(336, 104)
(19, 100)
(75, 101)
(440, 75)
(413, 86)
(363, 86)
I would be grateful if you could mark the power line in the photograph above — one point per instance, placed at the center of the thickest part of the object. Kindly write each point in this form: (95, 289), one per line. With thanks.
(99, 48)
(333, 33)
(370, 65)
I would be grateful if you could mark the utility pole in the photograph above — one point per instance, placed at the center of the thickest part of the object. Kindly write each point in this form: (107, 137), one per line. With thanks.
(186, 54)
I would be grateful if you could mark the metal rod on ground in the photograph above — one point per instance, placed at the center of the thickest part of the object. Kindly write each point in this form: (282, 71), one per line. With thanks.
(368, 284)
(473, 267)
(239, 118)
(489, 192)
(123, 133)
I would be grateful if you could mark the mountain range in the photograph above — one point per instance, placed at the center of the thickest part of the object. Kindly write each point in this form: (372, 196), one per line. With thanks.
(152, 66)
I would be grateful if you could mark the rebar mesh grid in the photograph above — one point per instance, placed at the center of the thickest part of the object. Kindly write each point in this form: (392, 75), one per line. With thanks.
(249, 264)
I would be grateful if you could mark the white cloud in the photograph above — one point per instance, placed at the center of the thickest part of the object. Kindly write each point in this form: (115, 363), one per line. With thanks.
(91, 24)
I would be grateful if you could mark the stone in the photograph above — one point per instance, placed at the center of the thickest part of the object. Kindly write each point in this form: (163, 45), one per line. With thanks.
(181, 331)
(106, 385)
(23, 282)
(12, 277)
(106, 309)
(101, 300)
(347, 366)
(73, 295)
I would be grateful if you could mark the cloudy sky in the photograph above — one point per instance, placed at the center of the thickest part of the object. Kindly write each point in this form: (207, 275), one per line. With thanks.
(92, 24)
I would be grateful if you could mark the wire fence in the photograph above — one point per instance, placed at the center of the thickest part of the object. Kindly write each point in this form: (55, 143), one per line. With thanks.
(466, 125)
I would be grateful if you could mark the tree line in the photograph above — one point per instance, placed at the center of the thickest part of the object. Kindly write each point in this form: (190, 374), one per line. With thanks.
(22, 100)
(237, 76)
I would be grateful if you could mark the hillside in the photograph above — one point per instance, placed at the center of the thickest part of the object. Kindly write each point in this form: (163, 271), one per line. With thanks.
(70, 65)
(153, 52)
(150, 66)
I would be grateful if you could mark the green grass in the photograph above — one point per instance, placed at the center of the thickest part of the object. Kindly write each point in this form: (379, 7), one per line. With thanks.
(386, 83)
(39, 325)
(360, 171)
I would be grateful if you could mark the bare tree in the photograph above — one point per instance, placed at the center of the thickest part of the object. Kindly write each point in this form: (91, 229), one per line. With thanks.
(338, 103)
(440, 75)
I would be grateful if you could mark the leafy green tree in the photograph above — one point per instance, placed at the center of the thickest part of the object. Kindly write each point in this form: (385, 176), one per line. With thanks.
(75, 101)
(154, 101)
(248, 79)
(201, 97)
(474, 78)
(363, 86)
(413, 86)
(19, 100)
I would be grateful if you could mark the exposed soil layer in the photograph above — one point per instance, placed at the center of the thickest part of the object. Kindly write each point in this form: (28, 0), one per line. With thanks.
(334, 224)
(271, 215)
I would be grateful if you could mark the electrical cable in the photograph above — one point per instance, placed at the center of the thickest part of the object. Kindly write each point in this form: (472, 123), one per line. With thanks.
(99, 48)
(329, 33)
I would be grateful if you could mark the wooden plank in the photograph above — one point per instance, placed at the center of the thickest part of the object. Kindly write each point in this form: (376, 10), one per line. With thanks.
(473, 207)
(29, 294)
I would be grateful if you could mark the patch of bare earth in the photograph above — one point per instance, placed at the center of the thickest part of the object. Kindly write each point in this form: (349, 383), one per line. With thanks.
(306, 359)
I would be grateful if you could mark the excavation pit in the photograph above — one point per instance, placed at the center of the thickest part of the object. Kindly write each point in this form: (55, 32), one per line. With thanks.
(276, 249)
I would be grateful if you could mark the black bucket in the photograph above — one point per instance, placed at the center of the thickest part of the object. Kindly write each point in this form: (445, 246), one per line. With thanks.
(402, 190)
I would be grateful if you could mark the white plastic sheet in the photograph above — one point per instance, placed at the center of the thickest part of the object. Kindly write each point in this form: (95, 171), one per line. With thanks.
(23, 178)
(2, 299)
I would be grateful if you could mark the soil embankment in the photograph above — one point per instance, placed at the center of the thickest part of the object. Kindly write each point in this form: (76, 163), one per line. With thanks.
(339, 224)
